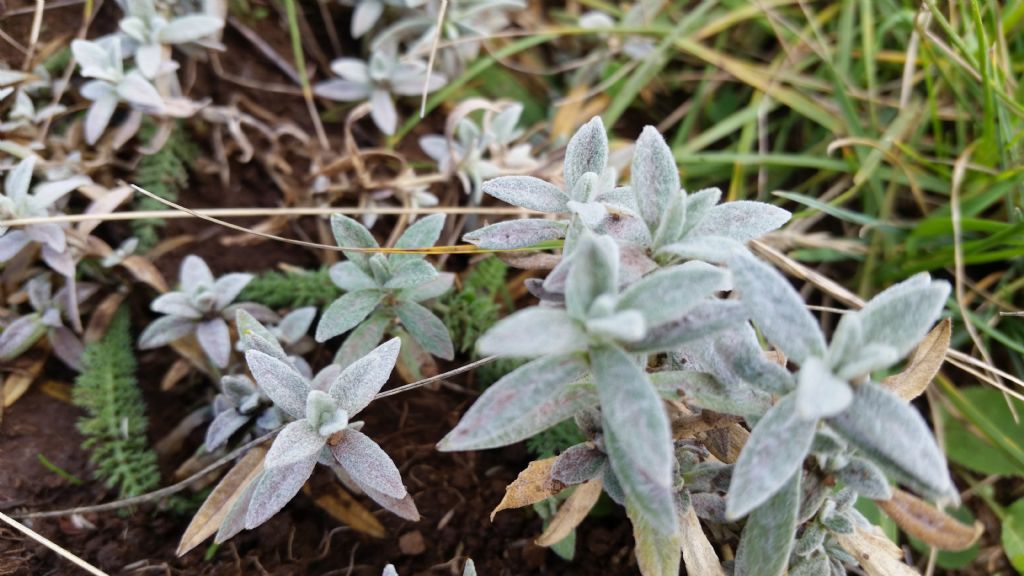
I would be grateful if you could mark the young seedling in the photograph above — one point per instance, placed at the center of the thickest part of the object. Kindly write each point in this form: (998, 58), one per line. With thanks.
(383, 291)
(200, 307)
(321, 409)
(47, 318)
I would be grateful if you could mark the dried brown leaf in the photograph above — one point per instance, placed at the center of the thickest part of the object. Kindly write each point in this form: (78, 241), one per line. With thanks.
(57, 390)
(344, 508)
(875, 553)
(572, 512)
(699, 556)
(175, 373)
(208, 519)
(924, 364)
(25, 371)
(929, 524)
(144, 271)
(102, 315)
(726, 443)
(531, 486)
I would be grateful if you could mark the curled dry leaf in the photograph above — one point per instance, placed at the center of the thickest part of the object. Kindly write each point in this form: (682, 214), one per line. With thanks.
(924, 364)
(875, 552)
(531, 486)
(175, 373)
(699, 556)
(929, 524)
(24, 371)
(102, 316)
(208, 519)
(572, 512)
(144, 271)
(347, 510)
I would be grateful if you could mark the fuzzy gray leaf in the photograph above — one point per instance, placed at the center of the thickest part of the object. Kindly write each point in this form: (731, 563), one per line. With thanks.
(527, 192)
(350, 277)
(777, 309)
(587, 152)
(296, 443)
(280, 381)
(368, 465)
(703, 321)
(175, 304)
(223, 427)
(517, 233)
(768, 536)
(356, 386)
(864, 478)
(533, 332)
(428, 330)
(346, 312)
(668, 294)
(255, 336)
(654, 175)
(741, 220)
(402, 507)
(594, 271)
(438, 286)
(737, 397)
(421, 234)
(819, 393)
(363, 339)
(734, 357)
(411, 273)
(349, 233)
(578, 464)
(275, 488)
(716, 249)
(215, 339)
(774, 452)
(637, 435)
(165, 330)
(893, 434)
(526, 401)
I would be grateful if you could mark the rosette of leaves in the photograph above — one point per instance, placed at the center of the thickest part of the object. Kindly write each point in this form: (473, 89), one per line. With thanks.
(832, 395)
(602, 336)
(200, 307)
(239, 404)
(17, 202)
(23, 114)
(321, 409)
(47, 319)
(153, 33)
(476, 154)
(378, 82)
(466, 24)
(102, 61)
(590, 195)
(384, 292)
(817, 550)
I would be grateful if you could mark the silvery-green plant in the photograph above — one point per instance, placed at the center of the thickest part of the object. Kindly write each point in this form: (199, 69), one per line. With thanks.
(378, 81)
(292, 330)
(833, 385)
(416, 196)
(384, 292)
(17, 202)
(47, 319)
(321, 429)
(476, 153)
(466, 24)
(240, 403)
(23, 113)
(603, 335)
(151, 31)
(202, 307)
(591, 195)
(102, 60)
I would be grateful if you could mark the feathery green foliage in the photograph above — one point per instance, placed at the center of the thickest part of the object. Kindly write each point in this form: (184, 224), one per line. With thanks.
(164, 174)
(115, 422)
(554, 440)
(291, 289)
(474, 308)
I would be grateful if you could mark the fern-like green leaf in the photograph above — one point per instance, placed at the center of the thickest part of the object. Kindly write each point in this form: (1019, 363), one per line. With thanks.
(165, 174)
(115, 422)
(473, 309)
(291, 289)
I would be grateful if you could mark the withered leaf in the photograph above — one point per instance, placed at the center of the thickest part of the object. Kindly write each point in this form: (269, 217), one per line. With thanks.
(875, 552)
(924, 364)
(572, 512)
(929, 524)
(699, 556)
(346, 509)
(208, 519)
(532, 485)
